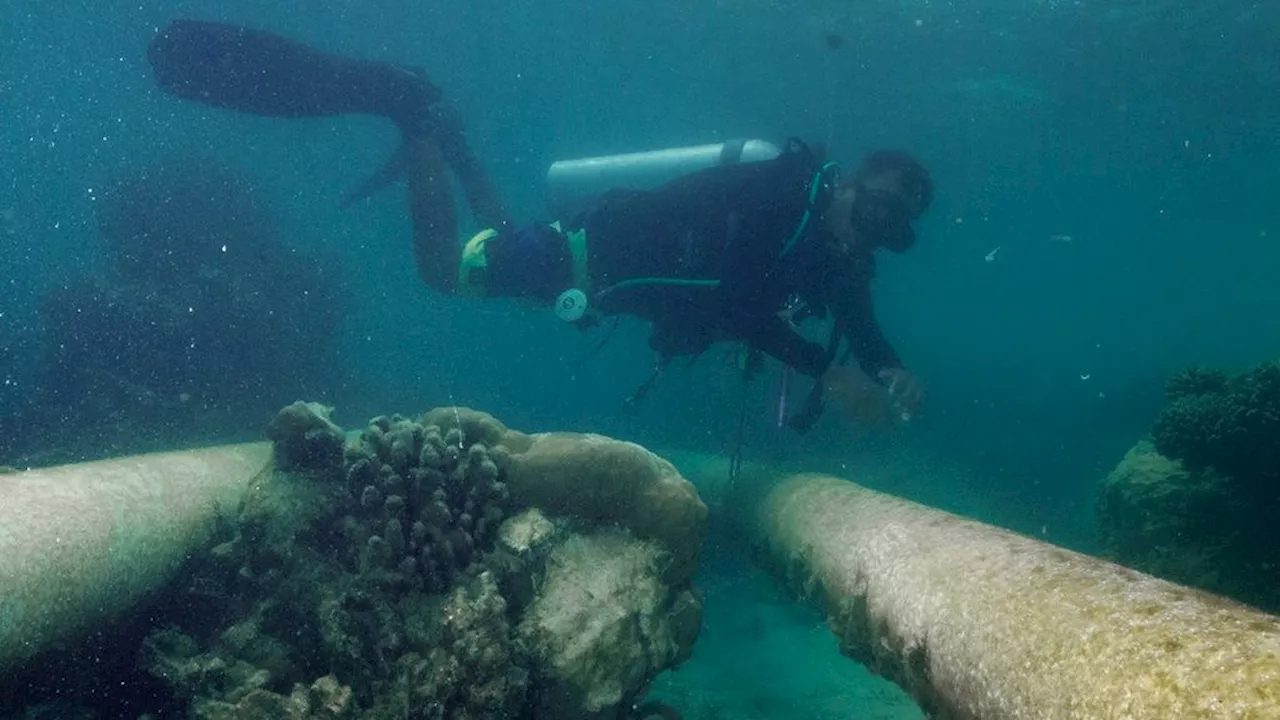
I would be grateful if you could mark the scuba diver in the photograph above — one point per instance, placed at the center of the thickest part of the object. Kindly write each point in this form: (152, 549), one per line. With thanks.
(737, 252)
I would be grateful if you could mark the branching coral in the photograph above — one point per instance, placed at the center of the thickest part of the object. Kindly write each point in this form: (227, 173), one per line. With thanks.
(1195, 381)
(1230, 425)
(433, 503)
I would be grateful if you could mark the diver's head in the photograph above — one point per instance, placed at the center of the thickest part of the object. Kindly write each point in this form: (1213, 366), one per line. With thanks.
(875, 208)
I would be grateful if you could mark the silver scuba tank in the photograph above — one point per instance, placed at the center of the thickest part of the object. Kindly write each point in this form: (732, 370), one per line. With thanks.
(572, 183)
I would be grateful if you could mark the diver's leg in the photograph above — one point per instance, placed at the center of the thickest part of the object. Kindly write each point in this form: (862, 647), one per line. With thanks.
(482, 196)
(265, 74)
(446, 126)
(435, 225)
(436, 250)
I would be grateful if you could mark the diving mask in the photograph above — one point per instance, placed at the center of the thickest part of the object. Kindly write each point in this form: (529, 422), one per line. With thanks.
(883, 217)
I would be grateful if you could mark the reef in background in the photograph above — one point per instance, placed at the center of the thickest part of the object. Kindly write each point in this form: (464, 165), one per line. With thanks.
(445, 567)
(1198, 502)
(204, 314)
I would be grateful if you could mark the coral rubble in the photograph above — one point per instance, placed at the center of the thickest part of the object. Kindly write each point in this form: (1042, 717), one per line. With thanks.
(443, 568)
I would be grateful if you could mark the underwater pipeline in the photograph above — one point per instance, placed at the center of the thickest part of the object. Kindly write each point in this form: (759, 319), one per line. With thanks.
(979, 622)
(81, 544)
(972, 620)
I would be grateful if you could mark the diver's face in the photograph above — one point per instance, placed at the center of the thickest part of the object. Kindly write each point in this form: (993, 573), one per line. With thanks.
(870, 214)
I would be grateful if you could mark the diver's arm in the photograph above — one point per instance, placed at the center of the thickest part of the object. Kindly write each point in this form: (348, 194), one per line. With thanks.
(779, 340)
(854, 313)
(858, 394)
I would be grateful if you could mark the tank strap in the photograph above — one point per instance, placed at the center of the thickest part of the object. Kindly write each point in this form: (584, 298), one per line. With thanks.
(820, 181)
(731, 151)
(577, 242)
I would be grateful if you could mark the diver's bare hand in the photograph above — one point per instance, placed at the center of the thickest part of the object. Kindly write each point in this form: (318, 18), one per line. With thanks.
(905, 388)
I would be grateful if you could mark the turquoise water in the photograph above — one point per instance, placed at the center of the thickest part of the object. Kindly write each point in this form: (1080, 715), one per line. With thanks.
(1105, 215)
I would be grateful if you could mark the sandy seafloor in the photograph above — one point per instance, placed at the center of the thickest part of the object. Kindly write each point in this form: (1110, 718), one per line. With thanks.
(762, 656)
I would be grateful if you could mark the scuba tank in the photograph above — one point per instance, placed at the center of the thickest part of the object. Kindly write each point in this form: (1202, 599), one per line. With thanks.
(571, 183)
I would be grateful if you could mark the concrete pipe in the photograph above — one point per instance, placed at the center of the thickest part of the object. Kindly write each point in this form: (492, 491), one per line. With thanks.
(81, 544)
(979, 622)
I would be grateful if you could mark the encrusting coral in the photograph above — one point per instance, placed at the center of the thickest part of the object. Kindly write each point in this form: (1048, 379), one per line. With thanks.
(406, 573)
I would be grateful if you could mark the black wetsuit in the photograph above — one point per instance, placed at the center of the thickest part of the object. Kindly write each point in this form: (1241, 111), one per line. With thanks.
(262, 73)
(728, 225)
(724, 228)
